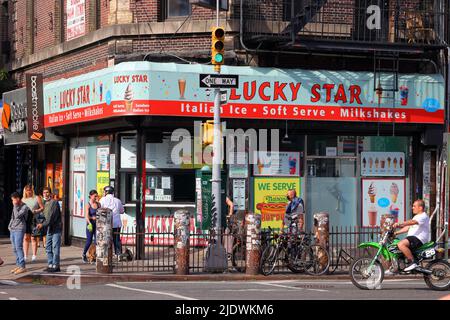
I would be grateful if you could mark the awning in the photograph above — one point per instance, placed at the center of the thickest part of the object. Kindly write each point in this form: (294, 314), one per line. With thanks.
(169, 89)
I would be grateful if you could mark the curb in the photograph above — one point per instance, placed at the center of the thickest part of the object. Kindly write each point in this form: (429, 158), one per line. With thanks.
(93, 278)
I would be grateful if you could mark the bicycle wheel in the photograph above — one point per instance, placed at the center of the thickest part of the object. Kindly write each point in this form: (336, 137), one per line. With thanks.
(296, 259)
(238, 257)
(317, 260)
(268, 260)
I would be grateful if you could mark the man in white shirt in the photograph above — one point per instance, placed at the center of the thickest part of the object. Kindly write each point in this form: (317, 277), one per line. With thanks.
(113, 203)
(418, 229)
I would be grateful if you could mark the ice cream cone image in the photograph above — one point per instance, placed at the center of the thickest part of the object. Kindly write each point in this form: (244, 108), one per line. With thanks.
(389, 162)
(370, 163)
(401, 163)
(128, 98)
(394, 192)
(394, 198)
(395, 163)
(129, 106)
(372, 193)
(376, 163)
(260, 167)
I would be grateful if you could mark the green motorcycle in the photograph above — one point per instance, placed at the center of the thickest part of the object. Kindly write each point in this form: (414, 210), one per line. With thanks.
(368, 272)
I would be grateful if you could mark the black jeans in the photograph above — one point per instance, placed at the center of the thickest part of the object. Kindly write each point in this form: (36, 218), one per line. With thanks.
(117, 243)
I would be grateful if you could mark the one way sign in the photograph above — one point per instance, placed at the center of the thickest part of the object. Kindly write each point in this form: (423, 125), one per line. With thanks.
(219, 81)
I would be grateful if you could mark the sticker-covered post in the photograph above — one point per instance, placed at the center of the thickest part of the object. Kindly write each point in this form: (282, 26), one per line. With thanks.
(104, 240)
(322, 229)
(253, 243)
(181, 235)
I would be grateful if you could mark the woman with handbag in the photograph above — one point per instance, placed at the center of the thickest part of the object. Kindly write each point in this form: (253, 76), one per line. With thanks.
(91, 209)
(35, 204)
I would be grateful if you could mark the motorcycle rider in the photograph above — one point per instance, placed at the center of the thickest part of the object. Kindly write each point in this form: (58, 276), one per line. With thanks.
(418, 229)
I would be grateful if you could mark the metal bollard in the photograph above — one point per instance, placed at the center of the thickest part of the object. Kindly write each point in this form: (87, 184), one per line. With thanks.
(104, 238)
(181, 235)
(253, 243)
(322, 229)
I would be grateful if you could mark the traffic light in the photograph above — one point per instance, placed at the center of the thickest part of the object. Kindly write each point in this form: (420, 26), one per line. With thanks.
(218, 47)
(208, 132)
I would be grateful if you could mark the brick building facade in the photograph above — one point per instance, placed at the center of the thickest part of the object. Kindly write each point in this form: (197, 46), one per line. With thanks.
(118, 29)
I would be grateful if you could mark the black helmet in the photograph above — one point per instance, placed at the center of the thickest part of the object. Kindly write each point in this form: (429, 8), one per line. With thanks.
(108, 190)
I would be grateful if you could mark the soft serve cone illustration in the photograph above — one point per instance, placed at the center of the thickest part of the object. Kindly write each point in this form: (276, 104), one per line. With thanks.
(372, 193)
(394, 192)
(128, 98)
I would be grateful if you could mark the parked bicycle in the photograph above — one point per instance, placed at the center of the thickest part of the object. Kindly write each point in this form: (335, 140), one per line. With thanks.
(299, 254)
(368, 272)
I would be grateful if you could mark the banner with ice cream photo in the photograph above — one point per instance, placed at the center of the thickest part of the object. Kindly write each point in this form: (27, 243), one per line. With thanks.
(382, 196)
(385, 164)
(280, 164)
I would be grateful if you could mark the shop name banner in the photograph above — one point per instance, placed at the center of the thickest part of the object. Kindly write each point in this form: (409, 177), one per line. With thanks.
(35, 96)
(270, 199)
(169, 89)
(277, 164)
(14, 116)
(383, 164)
(76, 18)
(382, 196)
(162, 230)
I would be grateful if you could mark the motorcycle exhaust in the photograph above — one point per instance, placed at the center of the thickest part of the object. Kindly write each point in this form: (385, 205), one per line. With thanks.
(422, 270)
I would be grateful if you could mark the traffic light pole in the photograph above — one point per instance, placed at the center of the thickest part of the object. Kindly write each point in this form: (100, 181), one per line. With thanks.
(216, 178)
(217, 258)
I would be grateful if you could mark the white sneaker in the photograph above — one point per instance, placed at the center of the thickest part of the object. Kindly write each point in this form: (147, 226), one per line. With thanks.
(411, 267)
(25, 258)
(33, 258)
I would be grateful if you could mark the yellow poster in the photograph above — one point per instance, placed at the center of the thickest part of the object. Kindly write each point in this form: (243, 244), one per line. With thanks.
(270, 199)
(102, 181)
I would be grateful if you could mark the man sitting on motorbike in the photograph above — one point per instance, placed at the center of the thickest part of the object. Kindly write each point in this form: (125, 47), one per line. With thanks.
(418, 229)
(293, 217)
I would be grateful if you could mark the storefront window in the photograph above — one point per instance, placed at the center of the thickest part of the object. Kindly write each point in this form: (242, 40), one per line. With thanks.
(331, 167)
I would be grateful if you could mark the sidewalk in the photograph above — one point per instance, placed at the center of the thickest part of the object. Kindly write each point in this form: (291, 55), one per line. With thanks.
(69, 256)
(72, 256)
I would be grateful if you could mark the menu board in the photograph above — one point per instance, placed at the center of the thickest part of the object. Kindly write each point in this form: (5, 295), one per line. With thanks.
(382, 196)
(239, 166)
(79, 159)
(383, 164)
(102, 158)
(161, 156)
(278, 164)
(128, 152)
(159, 188)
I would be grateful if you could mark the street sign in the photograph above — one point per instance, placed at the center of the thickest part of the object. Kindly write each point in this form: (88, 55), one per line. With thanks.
(219, 81)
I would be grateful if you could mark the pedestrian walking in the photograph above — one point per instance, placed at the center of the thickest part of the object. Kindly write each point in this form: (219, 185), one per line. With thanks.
(53, 223)
(115, 205)
(34, 203)
(17, 227)
(91, 225)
